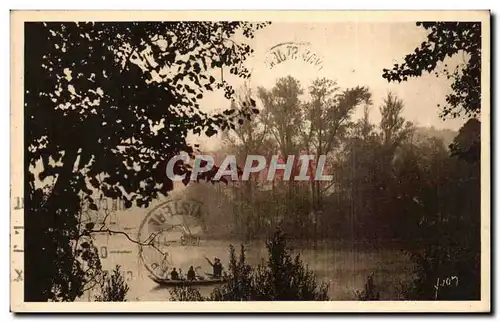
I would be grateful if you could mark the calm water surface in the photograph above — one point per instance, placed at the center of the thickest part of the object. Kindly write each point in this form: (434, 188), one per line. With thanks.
(344, 267)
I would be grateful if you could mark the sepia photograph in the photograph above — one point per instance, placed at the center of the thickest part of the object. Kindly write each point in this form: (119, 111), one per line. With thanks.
(250, 161)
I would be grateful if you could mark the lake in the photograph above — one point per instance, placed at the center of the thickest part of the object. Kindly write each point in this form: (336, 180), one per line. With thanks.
(344, 266)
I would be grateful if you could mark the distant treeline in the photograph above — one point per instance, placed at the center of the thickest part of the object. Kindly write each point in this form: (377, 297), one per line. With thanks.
(390, 180)
(394, 185)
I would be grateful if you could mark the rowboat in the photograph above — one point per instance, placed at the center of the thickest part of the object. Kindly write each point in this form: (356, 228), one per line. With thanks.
(185, 282)
(180, 230)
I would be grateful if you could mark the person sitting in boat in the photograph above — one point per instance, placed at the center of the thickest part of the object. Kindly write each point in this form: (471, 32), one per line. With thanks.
(216, 266)
(191, 276)
(174, 275)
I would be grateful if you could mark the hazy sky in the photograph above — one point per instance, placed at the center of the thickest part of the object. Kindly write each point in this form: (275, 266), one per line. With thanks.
(352, 54)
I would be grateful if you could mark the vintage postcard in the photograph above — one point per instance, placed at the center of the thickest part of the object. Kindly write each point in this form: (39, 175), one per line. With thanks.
(267, 161)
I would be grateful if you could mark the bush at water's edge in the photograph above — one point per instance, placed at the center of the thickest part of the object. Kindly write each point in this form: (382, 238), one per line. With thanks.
(283, 277)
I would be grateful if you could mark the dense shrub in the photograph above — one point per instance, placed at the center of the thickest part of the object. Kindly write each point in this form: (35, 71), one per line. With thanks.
(113, 287)
(282, 277)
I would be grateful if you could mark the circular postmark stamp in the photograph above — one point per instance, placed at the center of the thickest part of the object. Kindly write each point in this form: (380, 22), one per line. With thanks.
(298, 59)
(168, 234)
(287, 51)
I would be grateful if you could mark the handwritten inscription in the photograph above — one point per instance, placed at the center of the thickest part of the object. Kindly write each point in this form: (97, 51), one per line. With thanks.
(120, 251)
(19, 277)
(19, 203)
(450, 281)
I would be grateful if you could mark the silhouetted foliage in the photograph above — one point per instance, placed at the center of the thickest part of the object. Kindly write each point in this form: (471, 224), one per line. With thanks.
(63, 263)
(240, 285)
(113, 288)
(467, 144)
(105, 105)
(451, 230)
(446, 39)
(282, 277)
(183, 293)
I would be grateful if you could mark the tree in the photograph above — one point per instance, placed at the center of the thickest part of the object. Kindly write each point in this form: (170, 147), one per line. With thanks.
(367, 178)
(283, 105)
(467, 144)
(329, 113)
(248, 139)
(250, 136)
(357, 176)
(394, 132)
(394, 129)
(106, 104)
(446, 39)
(450, 221)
